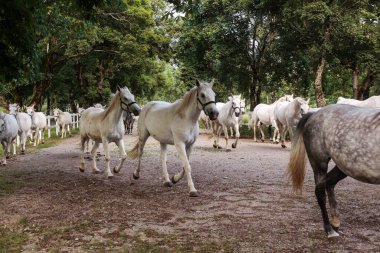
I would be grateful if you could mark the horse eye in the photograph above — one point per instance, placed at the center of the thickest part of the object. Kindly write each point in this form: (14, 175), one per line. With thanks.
(203, 95)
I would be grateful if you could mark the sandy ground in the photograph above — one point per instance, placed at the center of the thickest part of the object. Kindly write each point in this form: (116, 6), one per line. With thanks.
(246, 204)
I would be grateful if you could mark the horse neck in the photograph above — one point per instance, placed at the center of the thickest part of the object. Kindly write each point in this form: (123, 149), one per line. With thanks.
(114, 112)
(230, 109)
(192, 112)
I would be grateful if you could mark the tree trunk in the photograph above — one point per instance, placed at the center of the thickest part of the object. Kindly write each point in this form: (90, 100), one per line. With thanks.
(318, 89)
(254, 93)
(366, 85)
(355, 83)
(42, 85)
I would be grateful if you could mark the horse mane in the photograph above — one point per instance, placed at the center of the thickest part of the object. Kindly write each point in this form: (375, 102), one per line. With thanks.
(185, 101)
(112, 105)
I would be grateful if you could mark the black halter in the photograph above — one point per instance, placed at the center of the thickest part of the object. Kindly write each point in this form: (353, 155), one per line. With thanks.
(205, 104)
(127, 105)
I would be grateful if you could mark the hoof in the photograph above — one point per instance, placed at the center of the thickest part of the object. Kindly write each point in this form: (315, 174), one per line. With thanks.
(135, 177)
(110, 176)
(332, 234)
(22, 152)
(228, 150)
(283, 146)
(173, 181)
(168, 184)
(194, 194)
(3, 164)
(220, 147)
(215, 146)
(262, 140)
(96, 171)
(81, 169)
(233, 145)
(115, 170)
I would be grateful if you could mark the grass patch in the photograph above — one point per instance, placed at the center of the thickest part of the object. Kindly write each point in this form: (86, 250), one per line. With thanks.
(8, 186)
(11, 240)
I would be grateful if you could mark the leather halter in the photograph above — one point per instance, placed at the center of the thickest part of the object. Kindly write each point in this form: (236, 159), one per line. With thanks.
(204, 104)
(127, 105)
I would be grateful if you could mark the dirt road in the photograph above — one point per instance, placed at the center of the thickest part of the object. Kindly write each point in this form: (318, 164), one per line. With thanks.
(246, 204)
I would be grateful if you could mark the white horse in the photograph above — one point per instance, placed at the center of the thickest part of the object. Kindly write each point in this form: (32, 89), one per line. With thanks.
(175, 124)
(8, 134)
(24, 122)
(242, 112)
(39, 124)
(264, 114)
(228, 117)
(372, 102)
(63, 120)
(99, 106)
(105, 126)
(287, 115)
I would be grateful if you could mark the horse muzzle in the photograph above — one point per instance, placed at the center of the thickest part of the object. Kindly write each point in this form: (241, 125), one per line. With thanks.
(213, 115)
(136, 110)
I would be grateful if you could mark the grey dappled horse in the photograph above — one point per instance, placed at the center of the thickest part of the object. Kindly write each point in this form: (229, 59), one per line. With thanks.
(345, 134)
(175, 124)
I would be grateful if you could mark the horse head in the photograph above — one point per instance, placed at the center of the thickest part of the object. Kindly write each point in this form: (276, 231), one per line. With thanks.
(242, 106)
(206, 99)
(56, 112)
(14, 108)
(30, 110)
(236, 104)
(127, 100)
(303, 105)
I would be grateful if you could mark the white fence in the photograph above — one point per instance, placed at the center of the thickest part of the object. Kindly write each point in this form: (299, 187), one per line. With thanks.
(75, 117)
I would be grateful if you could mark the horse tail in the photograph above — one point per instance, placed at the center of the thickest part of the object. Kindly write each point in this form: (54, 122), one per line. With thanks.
(297, 162)
(133, 153)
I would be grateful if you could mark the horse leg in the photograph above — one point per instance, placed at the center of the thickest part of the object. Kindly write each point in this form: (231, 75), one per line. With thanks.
(237, 135)
(93, 153)
(43, 135)
(23, 142)
(180, 175)
(320, 174)
(261, 131)
(62, 130)
(216, 133)
(333, 177)
(232, 132)
(282, 132)
(225, 130)
(140, 150)
(108, 158)
(254, 131)
(36, 137)
(120, 145)
(165, 173)
(14, 144)
(5, 152)
(83, 140)
(181, 149)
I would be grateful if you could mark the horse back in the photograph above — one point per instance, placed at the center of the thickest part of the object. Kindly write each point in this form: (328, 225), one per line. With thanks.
(349, 135)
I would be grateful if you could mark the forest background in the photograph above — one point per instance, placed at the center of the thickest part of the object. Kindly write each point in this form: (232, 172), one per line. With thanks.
(61, 53)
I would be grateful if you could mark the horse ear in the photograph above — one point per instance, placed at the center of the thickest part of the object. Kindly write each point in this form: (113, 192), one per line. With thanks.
(197, 83)
(118, 88)
(211, 83)
(307, 101)
(230, 98)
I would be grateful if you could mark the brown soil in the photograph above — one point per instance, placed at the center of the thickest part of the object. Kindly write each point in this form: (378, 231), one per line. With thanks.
(246, 204)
